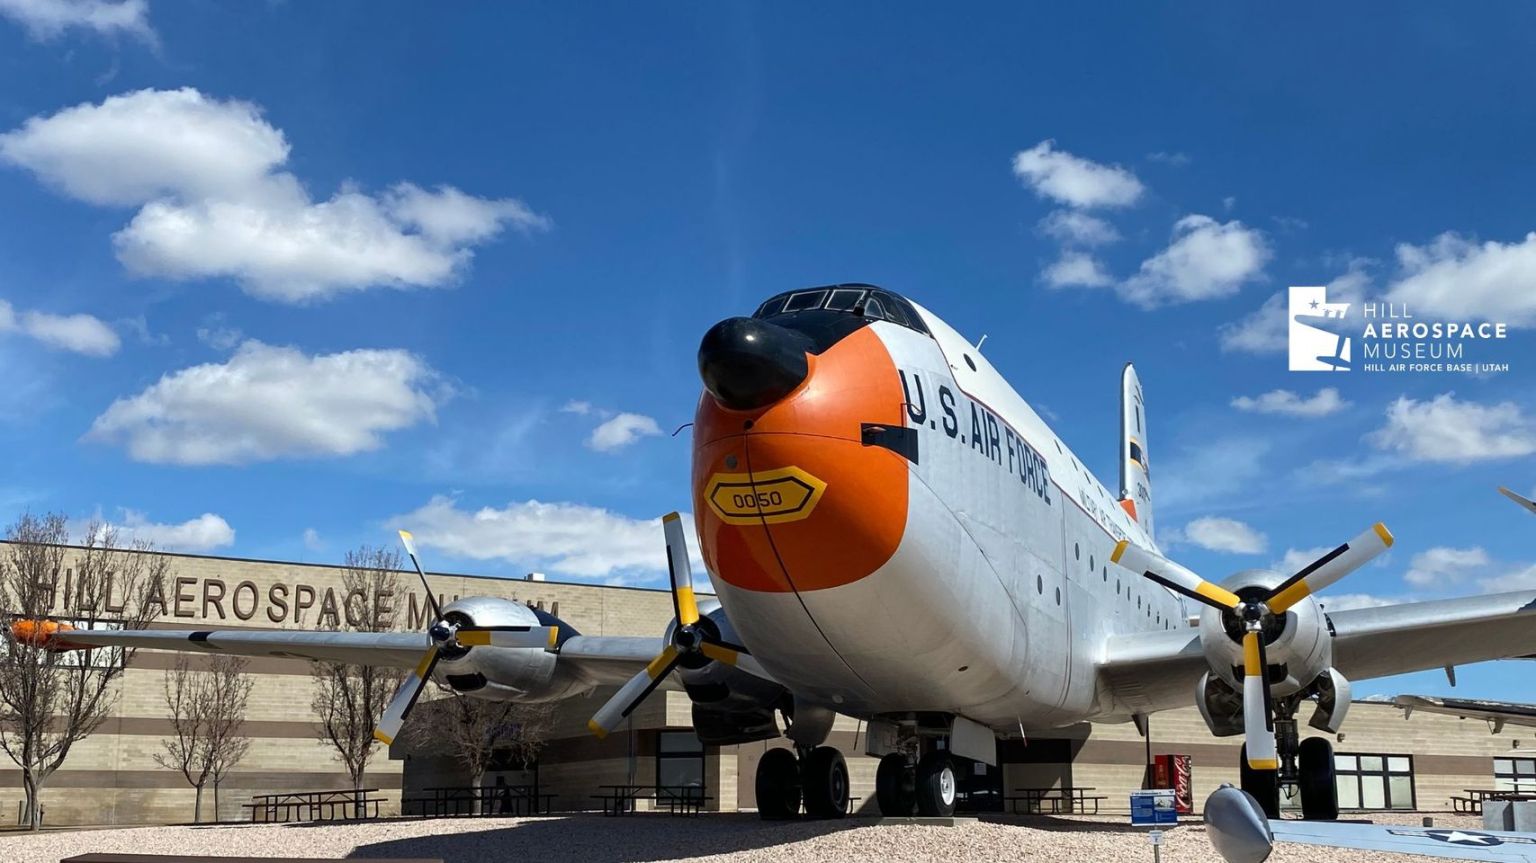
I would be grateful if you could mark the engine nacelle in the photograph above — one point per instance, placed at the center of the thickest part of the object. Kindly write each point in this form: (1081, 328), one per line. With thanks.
(1297, 642)
(729, 705)
(504, 673)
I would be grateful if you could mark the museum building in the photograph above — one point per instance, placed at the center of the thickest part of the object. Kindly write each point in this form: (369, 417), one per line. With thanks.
(112, 777)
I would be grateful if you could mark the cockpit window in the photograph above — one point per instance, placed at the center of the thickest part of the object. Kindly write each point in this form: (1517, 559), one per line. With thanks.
(805, 301)
(864, 301)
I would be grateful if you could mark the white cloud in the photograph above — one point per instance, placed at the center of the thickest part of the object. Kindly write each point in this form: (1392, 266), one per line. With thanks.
(213, 202)
(621, 431)
(47, 19)
(570, 538)
(270, 402)
(1523, 578)
(218, 336)
(312, 539)
(1261, 332)
(1295, 558)
(1443, 566)
(1076, 228)
(1205, 260)
(1176, 159)
(1211, 471)
(82, 334)
(1327, 401)
(1446, 430)
(1076, 270)
(204, 533)
(1351, 601)
(580, 408)
(1224, 534)
(1265, 330)
(1075, 181)
(1456, 278)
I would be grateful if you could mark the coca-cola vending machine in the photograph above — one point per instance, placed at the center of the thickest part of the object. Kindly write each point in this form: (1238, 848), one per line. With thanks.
(1172, 771)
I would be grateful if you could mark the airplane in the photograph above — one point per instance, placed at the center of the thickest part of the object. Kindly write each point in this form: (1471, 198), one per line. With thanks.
(1242, 832)
(1496, 713)
(1339, 324)
(894, 534)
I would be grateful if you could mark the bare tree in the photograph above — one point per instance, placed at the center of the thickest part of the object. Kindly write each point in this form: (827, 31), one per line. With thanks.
(478, 733)
(50, 699)
(349, 699)
(207, 711)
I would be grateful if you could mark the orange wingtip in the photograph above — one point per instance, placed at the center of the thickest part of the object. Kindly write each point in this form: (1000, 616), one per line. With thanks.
(43, 633)
(1130, 507)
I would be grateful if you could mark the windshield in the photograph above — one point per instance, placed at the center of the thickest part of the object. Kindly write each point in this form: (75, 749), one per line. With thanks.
(859, 301)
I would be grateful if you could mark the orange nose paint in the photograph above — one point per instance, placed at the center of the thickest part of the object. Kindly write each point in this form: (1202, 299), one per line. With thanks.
(41, 633)
(787, 497)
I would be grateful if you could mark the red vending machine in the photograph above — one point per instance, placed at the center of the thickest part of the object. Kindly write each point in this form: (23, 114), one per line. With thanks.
(1172, 771)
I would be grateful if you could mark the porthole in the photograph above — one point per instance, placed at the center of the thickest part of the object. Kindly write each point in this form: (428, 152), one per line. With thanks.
(970, 362)
(1138, 603)
(1090, 563)
(1058, 445)
(1039, 584)
(1106, 575)
(1117, 587)
(1077, 553)
(1058, 596)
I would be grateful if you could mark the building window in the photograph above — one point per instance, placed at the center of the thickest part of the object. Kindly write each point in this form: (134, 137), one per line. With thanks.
(679, 763)
(1514, 774)
(1374, 781)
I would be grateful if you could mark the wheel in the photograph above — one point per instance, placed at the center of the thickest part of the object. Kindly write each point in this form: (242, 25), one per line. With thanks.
(936, 785)
(1319, 790)
(1264, 785)
(824, 779)
(895, 786)
(778, 785)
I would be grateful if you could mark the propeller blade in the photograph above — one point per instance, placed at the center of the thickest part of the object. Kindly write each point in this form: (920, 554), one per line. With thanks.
(1258, 726)
(410, 549)
(732, 655)
(1170, 575)
(543, 637)
(633, 692)
(1330, 568)
(683, 602)
(1523, 501)
(405, 699)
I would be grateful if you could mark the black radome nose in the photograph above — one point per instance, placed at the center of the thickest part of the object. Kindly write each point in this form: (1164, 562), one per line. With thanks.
(748, 363)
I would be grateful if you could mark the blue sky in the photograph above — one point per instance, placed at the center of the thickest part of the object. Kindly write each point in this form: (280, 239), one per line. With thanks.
(349, 266)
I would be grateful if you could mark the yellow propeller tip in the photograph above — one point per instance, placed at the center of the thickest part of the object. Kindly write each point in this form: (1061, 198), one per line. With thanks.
(671, 516)
(1269, 764)
(1381, 531)
(382, 737)
(596, 729)
(405, 534)
(1120, 548)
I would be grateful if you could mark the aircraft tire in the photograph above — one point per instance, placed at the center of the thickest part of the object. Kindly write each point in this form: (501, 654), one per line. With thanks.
(936, 785)
(1319, 789)
(1264, 785)
(778, 785)
(824, 779)
(896, 786)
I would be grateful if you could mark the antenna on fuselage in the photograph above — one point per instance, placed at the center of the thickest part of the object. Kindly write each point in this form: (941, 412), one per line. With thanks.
(982, 342)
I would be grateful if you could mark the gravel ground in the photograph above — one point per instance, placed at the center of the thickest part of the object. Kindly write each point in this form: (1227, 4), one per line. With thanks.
(736, 838)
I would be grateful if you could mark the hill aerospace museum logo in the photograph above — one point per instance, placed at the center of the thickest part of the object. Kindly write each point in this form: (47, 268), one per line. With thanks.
(1381, 336)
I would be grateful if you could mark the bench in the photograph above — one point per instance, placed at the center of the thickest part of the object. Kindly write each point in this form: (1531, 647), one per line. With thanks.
(340, 805)
(1060, 800)
(470, 801)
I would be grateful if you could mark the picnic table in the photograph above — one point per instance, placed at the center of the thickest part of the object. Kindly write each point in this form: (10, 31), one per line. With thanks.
(315, 805)
(474, 801)
(1060, 800)
(1472, 802)
(679, 799)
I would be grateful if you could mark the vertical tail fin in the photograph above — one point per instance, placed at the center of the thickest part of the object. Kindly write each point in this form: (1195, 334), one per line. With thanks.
(1135, 479)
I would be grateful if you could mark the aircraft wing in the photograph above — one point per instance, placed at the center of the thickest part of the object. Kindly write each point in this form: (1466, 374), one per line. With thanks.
(1240, 833)
(604, 659)
(1497, 712)
(1155, 671)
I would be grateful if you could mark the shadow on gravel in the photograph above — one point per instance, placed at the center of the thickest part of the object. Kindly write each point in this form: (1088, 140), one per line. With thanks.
(596, 839)
(1068, 825)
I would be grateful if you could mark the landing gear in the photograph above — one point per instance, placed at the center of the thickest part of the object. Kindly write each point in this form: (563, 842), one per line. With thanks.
(1315, 780)
(896, 785)
(936, 787)
(824, 778)
(778, 785)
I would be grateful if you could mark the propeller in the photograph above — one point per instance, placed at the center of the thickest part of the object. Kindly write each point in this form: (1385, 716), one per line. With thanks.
(447, 633)
(1258, 717)
(691, 637)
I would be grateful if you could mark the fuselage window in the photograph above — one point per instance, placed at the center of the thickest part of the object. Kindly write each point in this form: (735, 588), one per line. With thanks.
(1090, 563)
(1077, 553)
(1039, 584)
(1058, 596)
(1106, 575)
